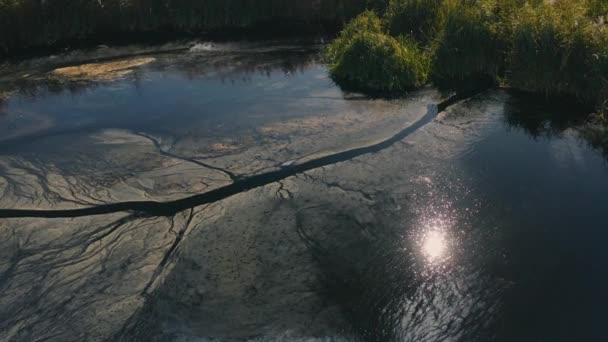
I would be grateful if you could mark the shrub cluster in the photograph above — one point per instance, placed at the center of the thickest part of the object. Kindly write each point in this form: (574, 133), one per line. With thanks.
(366, 22)
(364, 58)
(554, 48)
(557, 50)
(380, 64)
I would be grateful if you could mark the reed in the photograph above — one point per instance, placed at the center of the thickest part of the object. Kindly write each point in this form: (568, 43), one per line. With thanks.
(37, 23)
(470, 47)
(418, 18)
(553, 48)
(556, 50)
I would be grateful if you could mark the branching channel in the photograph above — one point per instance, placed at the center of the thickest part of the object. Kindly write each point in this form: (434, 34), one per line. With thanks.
(239, 184)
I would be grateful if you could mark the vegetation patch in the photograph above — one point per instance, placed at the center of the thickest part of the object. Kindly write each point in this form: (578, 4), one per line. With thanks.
(379, 64)
(552, 48)
(598, 8)
(470, 47)
(27, 24)
(556, 50)
(366, 22)
(420, 19)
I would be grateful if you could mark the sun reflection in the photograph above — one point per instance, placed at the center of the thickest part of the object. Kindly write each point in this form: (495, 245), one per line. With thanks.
(434, 236)
(434, 245)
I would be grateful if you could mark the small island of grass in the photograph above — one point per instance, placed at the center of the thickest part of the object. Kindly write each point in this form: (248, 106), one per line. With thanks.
(554, 48)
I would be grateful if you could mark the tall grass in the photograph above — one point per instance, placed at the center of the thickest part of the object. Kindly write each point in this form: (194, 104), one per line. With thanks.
(418, 18)
(32, 23)
(366, 22)
(470, 46)
(380, 64)
(556, 50)
(548, 47)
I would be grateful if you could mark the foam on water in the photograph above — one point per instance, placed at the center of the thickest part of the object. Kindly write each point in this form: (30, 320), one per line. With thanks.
(203, 47)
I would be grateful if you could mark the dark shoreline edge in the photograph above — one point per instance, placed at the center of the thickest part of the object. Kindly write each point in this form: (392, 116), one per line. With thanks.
(258, 32)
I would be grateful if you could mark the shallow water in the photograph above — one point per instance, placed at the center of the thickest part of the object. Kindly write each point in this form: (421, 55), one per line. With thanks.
(482, 224)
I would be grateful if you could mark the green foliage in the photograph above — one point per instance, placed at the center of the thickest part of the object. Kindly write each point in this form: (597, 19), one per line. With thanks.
(33, 23)
(557, 47)
(379, 64)
(598, 8)
(470, 46)
(367, 21)
(418, 18)
(556, 50)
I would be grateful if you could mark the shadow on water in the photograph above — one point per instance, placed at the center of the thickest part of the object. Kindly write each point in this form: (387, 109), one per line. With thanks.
(3, 107)
(545, 119)
(543, 191)
(538, 117)
(596, 135)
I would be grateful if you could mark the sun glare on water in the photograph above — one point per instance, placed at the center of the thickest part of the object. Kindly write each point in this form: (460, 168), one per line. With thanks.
(434, 245)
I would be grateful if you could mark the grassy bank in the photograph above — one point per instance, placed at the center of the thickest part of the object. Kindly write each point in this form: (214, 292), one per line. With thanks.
(553, 48)
(28, 24)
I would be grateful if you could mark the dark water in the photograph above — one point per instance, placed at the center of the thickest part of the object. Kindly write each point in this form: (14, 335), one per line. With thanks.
(543, 194)
(486, 224)
(216, 91)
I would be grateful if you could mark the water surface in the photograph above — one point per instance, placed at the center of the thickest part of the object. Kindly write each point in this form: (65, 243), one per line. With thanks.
(484, 224)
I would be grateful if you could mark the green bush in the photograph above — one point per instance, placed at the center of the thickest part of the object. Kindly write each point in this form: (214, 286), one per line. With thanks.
(418, 18)
(598, 8)
(380, 64)
(557, 51)
(367, 21)
(471, 47)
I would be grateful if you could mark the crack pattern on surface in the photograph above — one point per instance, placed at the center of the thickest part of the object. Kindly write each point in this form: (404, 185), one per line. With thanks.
(171, 208)
(64, 276)
(164, 152)
(337, 185)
